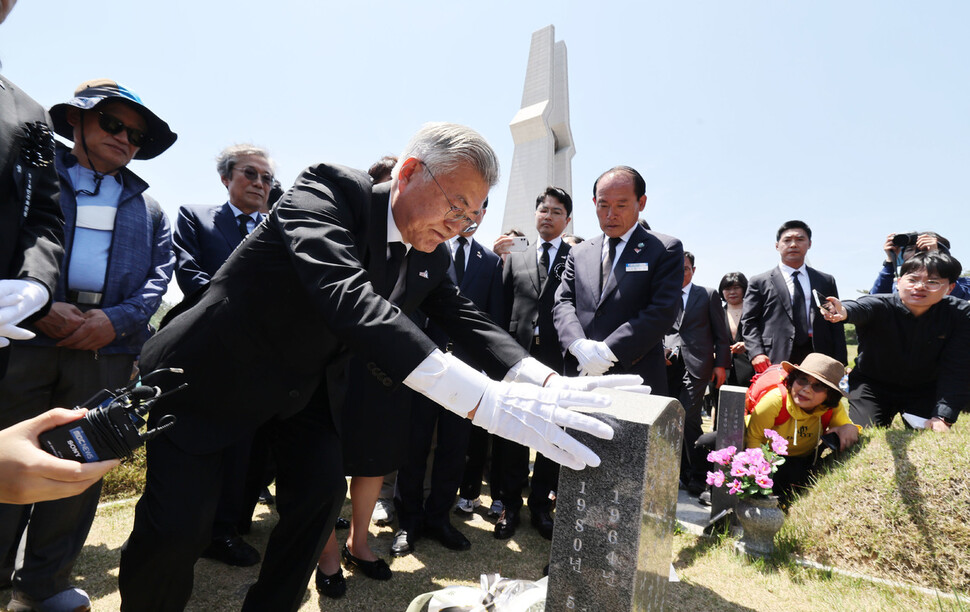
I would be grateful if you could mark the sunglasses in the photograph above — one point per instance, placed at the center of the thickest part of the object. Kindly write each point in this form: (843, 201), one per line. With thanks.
(252, 176)
(817, 387)
(113, 125)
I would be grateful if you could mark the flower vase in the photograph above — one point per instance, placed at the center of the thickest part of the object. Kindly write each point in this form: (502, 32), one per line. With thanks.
(761, 519)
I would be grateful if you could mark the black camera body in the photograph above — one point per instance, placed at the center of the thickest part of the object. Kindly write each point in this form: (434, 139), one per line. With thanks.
(904, 240)
(110, 429)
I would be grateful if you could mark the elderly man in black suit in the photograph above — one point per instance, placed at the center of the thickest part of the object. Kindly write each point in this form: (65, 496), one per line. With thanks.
(531, 279)
(778, 320)
(620, 290)
(698, 349)
(297, 297)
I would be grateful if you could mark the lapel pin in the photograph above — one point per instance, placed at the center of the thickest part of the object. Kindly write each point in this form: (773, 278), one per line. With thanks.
(478, 254)
(423, 274)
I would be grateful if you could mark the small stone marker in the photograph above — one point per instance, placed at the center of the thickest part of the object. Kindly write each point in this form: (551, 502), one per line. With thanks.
(730, 432)
(613, 539)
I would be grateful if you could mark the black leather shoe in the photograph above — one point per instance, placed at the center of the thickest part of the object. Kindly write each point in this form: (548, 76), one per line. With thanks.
(333, 586)
(704, 498)
(232, 551)
(448, 536)
(403, 544)
(507, 522)
(543, 522)
(378, 570)
(342, 523)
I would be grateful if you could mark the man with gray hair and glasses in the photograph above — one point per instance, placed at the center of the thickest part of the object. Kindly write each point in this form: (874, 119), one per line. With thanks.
(314, 282)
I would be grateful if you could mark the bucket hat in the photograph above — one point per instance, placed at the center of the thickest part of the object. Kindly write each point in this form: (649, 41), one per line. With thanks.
(91, 94)
(828, 371)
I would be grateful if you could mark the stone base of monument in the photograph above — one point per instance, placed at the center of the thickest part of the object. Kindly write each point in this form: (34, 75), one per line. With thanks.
(613, 539)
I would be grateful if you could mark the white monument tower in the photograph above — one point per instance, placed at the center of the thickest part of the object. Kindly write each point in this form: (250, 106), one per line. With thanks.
(543, 142)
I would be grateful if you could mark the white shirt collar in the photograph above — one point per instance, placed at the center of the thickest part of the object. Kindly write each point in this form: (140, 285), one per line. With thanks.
(394, 234)
(787, 270)
(255, 216)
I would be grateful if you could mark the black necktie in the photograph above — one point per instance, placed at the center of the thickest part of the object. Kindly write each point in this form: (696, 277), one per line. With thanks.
(544, 258)
(393, 268)
(608, 263)
(460, 259)
(798, 311)
(243, 224)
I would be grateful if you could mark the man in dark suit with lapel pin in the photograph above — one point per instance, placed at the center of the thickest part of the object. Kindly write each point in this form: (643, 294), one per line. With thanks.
(620, 290)
(531, 279)
(698, 349)
(298, 296)
(204, 238)
(478, 274)
(779, 319)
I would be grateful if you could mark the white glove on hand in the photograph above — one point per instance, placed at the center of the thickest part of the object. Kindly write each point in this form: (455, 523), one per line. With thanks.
(18, 300)
(534, 417)
(620, 382)
(593, 359)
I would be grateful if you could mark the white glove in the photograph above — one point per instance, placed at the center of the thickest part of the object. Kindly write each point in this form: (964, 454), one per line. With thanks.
(595, 358)
(521, 412)
(18, 300)
(534, 417)
(621, 382)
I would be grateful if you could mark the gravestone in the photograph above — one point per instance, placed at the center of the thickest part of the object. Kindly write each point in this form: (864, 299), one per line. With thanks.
(613, 539)
(730, 432)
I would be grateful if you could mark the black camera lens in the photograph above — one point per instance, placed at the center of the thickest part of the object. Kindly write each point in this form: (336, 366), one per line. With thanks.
(904, 240)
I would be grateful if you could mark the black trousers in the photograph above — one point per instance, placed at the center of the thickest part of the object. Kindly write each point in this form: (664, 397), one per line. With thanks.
(414, 511)
(689, 391)
(174, 516)
(873, 404)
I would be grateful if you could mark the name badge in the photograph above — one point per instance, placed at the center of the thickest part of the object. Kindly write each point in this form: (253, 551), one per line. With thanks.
(637, 267)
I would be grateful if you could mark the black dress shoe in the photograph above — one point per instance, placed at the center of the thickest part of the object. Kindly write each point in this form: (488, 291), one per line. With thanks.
(543, 522)
(403, 544)
(448, 536)
(333, 586)
(704, 498)
(507, 522)
(378, 570)
(342, 523)
(232, 551)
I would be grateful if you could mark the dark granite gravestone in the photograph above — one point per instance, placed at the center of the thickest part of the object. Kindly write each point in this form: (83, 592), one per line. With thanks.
(730, 432)
(612, 544)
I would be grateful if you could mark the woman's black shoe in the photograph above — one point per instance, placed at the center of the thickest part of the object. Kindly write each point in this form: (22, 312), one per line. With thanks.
(333, 586)
(378, 570)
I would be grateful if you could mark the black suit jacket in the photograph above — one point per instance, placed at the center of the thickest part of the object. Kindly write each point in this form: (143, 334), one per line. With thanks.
(295, 298)
(31, 222)
(767, 322)
(204, 238)
(637, 306)
(700, 334)
(530, 295)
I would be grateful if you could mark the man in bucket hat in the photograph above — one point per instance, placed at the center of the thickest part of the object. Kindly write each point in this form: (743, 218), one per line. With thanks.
(116, 266)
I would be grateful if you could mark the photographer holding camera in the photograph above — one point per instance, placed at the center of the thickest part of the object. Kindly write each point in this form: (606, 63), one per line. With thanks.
(900, 248)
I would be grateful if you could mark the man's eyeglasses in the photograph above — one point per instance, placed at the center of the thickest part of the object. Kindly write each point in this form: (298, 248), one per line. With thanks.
(252, 176)
(931, 284)
(804, 381)
(113, 125)
(455, 214)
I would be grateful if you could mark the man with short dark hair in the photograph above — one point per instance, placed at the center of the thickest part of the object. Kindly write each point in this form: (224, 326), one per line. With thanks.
(779, 321)
(698, 350)
(302, 292)
(914, 346)
(531, 278)
(117, 264)
(620, 291)
(900, 248)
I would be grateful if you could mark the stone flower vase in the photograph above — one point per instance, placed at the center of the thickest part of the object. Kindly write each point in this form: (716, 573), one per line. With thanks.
(761, 519)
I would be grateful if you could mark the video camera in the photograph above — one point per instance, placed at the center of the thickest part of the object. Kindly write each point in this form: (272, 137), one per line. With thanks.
(904, 240)
(110, 428)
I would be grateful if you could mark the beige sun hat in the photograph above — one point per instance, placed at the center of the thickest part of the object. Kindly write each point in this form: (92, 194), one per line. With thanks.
(827, 370)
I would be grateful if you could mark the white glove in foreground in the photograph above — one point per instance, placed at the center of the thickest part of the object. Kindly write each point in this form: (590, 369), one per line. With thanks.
(620, 382)
(18, 300)
(534, 417)
(521, 412)
(592, 359)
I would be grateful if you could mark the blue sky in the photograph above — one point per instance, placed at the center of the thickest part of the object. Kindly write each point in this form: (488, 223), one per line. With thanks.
(851, 116)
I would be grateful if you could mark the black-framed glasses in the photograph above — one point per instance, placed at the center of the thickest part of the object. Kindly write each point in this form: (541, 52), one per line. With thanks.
(252, 175)
(454, 214)
(113, 125)
(803, 381)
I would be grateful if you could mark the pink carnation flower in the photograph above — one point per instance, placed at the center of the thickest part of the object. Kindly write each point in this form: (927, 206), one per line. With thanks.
(764, 482)
(735, 487)
(779, 446)
(715, 479)
(723, 456)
